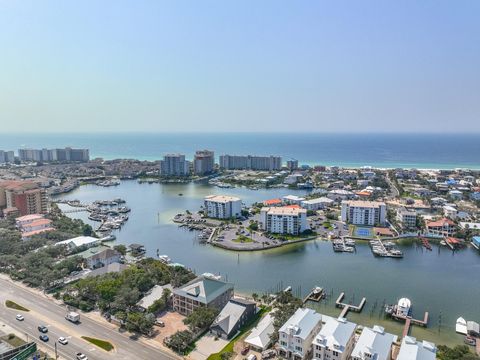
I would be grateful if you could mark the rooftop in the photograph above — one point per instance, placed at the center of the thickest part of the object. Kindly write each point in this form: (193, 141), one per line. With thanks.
(78, 241)
(374, 341)
(441, 223)
(30, 217)
(260, 335)
(203, 289)
(221, 198)
(335, 334)
(411, 349)
(284, 210)
(363, 203)
(302, 323)
(152, 295)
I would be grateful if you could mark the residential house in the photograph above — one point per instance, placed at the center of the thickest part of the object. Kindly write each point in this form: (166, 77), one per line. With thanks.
(442, 227)
(233, 316)
(411, 349)
(374, 344)
(335, 340)
(154, 294)
(295, 337)
(259, 338)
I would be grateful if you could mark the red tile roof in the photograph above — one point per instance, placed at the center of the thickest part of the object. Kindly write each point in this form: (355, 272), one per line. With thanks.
(440, 223)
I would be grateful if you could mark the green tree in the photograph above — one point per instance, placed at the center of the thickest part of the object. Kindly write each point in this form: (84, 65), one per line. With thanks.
(122, 249)
(200, 318)
(180, 341)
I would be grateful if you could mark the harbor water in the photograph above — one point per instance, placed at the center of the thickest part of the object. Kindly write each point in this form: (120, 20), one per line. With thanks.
(443, 283)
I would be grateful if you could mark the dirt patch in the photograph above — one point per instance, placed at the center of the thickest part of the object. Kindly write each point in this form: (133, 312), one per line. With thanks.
(173, 323)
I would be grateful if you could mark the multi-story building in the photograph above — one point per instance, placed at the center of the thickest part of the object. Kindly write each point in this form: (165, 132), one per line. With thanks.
(250, 162)
(411, 349)
(174, 165)
(203, 162)
(335, 340)
(50, 155)
(295, 337)
(442, 227)
(6, 157)
(358, 212)
(374, 343)
(25, 196)
(407, 218)
(292, 164)
(202, 291)
(30, 225)
(223, 207)
(283, 220)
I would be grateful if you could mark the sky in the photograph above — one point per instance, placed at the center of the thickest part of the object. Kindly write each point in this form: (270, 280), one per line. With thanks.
(250, 66)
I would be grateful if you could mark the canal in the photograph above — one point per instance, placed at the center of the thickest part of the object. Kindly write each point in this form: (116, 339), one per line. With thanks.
(440, 282)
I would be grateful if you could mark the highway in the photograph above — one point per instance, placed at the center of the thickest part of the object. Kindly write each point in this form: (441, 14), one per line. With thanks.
(44, 311)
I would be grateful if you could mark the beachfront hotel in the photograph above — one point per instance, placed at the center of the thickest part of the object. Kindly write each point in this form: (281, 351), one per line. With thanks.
(369, 213)
(283, 220)
(203, 162)
(174, 165)
(222, 207)
(250, 162)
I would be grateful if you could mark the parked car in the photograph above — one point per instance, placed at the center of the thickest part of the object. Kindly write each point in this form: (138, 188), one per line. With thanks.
(43, 337)
(245, 350)
(62, 340)
(160, 323)
(19, 317)
(81, 356)
(252, 357)
(42, 329)
(267, 354)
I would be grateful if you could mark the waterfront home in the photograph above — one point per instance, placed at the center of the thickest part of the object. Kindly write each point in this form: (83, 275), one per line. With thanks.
(233, 316)
(222, 206)
(442, 227)
(201, 291)
(374, 343)
(292, 179)
(283, 220)
(84, 241)
(154, 294)
(295, 337)
(411, 349)
(335, 340)
(259, 338)
(102, 257)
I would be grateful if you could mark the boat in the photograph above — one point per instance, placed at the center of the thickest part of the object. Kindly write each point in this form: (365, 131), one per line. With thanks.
(461, 326)
(212, 276)
(180, 194)
(404, 307)
(165, 259)
(110, 237)
(470, 340)
(317, 290)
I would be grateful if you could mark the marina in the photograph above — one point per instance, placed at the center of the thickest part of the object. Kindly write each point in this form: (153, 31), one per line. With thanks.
(436, 273)
(385, 249)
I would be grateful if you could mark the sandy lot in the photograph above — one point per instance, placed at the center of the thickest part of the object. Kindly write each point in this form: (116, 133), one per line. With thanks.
(173, 322)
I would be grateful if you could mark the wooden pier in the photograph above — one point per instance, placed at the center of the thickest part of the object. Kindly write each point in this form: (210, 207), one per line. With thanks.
(316, 294)
(411, 321)
(348, 307)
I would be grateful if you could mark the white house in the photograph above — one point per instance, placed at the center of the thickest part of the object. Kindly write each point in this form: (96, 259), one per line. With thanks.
(455, 194)
(295, 337)
(283, 220)
(374, 343)
(359, 212)
(411, 349)
(335, 340)
(259, 338)
(78, 241)
(222, 207)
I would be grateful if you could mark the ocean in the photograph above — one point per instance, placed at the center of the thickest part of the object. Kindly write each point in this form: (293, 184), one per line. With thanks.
(425, 151)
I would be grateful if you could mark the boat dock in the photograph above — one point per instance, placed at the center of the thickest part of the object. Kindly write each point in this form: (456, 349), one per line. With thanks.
(316, 294)
(411, 321)
(426, 243)
(348, 307)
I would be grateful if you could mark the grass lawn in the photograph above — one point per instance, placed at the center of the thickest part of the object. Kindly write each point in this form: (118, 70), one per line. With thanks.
(13, 340)
(242, 239)
(103, 344)
(13, 305)
(252, 323)
(288, 237)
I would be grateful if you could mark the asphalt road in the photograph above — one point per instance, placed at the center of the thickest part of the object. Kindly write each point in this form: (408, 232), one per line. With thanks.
(46, 312)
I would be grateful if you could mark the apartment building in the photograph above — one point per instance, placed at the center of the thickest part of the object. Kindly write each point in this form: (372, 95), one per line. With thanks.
(335, 340)
(369, 213)
(6, 157)
(223, 207)
(24, 196)
(250, 162)
(374, 344)
(407, 218)
(52, 155)
(174, 165)
(283, 220)
(292, 164)
(203, 162)
(295, 337)
(202, 291)
(33, 224)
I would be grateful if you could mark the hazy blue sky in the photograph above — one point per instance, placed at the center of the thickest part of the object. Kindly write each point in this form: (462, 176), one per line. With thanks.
(256, 65)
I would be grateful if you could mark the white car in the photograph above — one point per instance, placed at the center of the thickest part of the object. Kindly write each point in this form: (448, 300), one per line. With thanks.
(19, 317)
(81, 356)
(62, 340)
